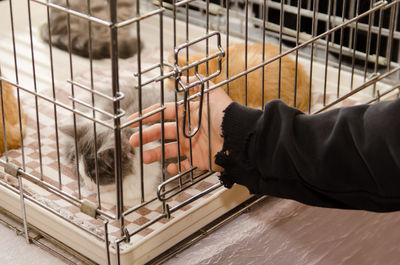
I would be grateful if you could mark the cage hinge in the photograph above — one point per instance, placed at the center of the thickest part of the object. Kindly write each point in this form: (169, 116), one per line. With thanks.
(11, 169)
(89, 208)
(126, 234)
(167, 212)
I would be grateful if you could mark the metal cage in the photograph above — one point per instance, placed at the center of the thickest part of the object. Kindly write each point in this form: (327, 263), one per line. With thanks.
(349, 49)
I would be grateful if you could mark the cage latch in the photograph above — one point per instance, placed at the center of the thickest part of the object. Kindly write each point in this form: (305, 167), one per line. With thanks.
(89, 208)
(126, 234)
(201, 80)
(11, 169)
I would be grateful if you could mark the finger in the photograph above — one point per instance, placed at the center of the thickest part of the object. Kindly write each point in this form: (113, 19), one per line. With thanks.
(154, 133)
(173, 169)
(169, 114)
(153, 155)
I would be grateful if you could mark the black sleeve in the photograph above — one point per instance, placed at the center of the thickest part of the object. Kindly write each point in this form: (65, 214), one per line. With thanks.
(345, 158)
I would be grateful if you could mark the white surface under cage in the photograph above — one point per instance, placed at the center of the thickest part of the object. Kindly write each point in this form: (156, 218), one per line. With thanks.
(145, 246)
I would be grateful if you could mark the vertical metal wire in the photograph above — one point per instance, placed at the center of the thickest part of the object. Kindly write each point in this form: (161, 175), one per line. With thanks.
(207, 86)
(353, 58)
(176, 97)
(334, 12)
(21, 191)
(162, 98)
(18, 90)
(116, 109)
(54, 97)
(313, 29)
(378, 46)
(35, 89)
(246, 36)
(90, 47)
(107, 241)
(118, 253)
(328, 25)
(308, 4)
(265, 18)
(351, 15)
(397, 25)
(280, 47)
(161, 19)
(187, 80)
(23, 212)
(73, 102)
(393, 22)
(340, 52)
(139, 63)
(298, 25)
(227, 44)
(370, 21)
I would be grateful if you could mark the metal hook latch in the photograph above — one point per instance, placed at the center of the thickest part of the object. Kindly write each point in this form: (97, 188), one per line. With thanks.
(186, 110)
(179, 71)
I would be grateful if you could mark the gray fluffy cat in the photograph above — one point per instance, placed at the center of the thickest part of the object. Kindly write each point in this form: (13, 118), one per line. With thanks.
(79, 28)
(105, 143)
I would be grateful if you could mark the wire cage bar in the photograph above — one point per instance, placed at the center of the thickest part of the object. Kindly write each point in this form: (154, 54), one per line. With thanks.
(79, 70)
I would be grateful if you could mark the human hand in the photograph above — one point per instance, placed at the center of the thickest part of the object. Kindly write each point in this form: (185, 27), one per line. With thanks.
(218, 100)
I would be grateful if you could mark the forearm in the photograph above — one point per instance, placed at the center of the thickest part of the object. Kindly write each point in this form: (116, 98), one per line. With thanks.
(344, 158)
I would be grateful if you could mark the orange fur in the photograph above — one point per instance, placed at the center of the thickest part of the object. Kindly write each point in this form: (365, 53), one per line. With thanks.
(254, 79)
(11, 119)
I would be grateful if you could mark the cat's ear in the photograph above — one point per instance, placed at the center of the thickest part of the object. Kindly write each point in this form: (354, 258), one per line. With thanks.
(106, 146)
(69, 130)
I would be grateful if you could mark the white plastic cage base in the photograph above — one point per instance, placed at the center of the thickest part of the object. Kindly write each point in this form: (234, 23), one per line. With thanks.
(140, 252)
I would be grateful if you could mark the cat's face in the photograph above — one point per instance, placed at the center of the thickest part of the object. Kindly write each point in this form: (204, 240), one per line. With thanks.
(104, 170)
(77, 30)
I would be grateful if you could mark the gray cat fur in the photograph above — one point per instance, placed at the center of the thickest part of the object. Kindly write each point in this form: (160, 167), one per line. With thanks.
(79, 28)
(104, 136)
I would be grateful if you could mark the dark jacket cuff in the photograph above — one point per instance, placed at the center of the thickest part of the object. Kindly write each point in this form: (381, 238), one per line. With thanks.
(238, 127)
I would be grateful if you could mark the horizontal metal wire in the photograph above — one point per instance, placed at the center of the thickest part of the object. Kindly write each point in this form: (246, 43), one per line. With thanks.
(142, 117)
(45, 207)
(381, 95)
(162, 190)
(58, 103)
(370, 82)
(55, 190)
(168, 213)
(120, 95)
(89, 106)
(137, 19)
(74, 13)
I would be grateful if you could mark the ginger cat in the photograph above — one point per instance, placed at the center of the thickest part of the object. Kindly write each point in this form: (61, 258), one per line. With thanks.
(11, 119)
(254, 79)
